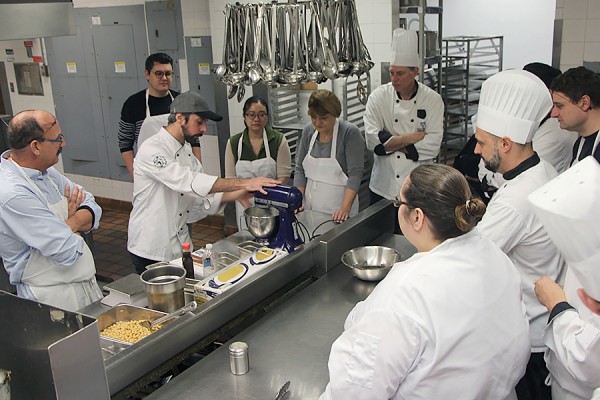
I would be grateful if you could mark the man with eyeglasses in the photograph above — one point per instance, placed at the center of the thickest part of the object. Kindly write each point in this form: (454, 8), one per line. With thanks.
(151, 104)
(42, 215)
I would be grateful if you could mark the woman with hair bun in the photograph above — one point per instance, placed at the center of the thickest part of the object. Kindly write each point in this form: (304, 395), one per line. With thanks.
(448, 323)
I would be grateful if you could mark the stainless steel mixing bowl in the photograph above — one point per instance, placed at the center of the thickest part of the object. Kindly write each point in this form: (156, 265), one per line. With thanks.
(371, 263)
(262, 222)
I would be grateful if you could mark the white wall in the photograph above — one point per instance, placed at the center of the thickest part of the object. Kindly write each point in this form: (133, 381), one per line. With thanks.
(580, 40)
(527, 26)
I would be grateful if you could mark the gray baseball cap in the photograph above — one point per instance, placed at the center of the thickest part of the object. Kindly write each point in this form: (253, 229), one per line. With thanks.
(192, 102)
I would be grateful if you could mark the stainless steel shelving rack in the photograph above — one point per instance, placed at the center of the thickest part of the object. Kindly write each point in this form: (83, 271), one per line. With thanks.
(467, 62)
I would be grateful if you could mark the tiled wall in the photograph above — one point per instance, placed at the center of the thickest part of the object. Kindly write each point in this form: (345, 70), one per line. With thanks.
(580, 33)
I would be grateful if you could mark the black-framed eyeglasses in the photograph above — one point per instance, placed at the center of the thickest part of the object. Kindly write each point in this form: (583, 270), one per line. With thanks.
(252, 115)
(397, 202)
(160, 74)
(59, 139)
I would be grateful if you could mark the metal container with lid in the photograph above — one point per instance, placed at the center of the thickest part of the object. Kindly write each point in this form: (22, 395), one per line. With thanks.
(164, 285)
(238, 358)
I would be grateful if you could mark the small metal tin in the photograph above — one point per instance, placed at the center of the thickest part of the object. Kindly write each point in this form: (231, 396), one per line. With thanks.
(238, 358)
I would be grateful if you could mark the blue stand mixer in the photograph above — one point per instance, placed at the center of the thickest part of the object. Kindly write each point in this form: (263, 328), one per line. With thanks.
(286, 199)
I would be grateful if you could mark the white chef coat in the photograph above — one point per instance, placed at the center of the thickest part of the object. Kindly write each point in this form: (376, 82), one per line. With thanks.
(554, 144)
(386, 112)
(168, 183)
(573, 340)
(441, 325)
(511, 223)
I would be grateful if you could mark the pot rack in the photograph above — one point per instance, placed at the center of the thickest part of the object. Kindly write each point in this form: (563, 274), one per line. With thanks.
(287, 44)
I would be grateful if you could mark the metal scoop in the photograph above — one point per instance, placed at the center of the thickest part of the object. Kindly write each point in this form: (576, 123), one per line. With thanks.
(188, 307)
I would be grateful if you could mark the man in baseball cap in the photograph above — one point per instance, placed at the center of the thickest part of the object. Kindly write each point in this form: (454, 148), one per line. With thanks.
(170, 188)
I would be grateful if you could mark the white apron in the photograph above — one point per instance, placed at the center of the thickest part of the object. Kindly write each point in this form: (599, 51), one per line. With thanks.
(576, 159)
(68, 287)
(326, 181)
(151, 124)
(265, 167)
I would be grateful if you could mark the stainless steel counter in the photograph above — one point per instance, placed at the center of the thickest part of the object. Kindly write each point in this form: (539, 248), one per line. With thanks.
(290, 343)
(235, 309)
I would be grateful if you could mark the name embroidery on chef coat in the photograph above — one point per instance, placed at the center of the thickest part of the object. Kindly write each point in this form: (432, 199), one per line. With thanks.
(159, 161)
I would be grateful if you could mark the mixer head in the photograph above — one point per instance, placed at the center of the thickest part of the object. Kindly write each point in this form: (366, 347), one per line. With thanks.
(284, 198)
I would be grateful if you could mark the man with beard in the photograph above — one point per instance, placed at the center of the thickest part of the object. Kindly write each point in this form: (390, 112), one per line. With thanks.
(511, 106)
(42, 215)
(169, 185)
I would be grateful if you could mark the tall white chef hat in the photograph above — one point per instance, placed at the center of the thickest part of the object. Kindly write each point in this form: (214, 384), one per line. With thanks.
(513, 103)
(404, 48)
(568, 207)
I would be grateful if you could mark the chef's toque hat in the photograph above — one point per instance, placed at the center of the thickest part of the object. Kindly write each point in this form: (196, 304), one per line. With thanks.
(513, 103)
(568, 206)
(404, 48)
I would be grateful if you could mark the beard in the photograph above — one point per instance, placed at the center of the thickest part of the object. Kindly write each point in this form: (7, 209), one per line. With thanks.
(191, 139)
(493, 163)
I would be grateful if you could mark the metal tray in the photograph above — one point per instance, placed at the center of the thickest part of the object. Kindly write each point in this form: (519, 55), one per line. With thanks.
(248, 247)
(123, 312)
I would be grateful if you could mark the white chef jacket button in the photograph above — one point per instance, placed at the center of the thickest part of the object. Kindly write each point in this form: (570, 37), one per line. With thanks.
(182, 194)
(397, 101)
(398, 156)
(412, 120)
(176, 155)
(188, 211)
(398, 176)
(180, 214)
(395, 120)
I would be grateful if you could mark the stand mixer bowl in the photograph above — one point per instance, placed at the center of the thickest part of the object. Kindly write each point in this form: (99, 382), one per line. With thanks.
(263, 222)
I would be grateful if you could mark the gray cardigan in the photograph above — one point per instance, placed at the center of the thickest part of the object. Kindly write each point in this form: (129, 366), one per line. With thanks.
(349, 153)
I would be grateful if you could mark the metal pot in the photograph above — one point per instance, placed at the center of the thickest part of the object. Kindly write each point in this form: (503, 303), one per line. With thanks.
(164, 286)
(262, 222)
(371, 263)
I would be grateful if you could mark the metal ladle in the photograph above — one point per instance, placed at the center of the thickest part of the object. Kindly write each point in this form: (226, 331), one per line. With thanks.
(361, 90)
(222, 68)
